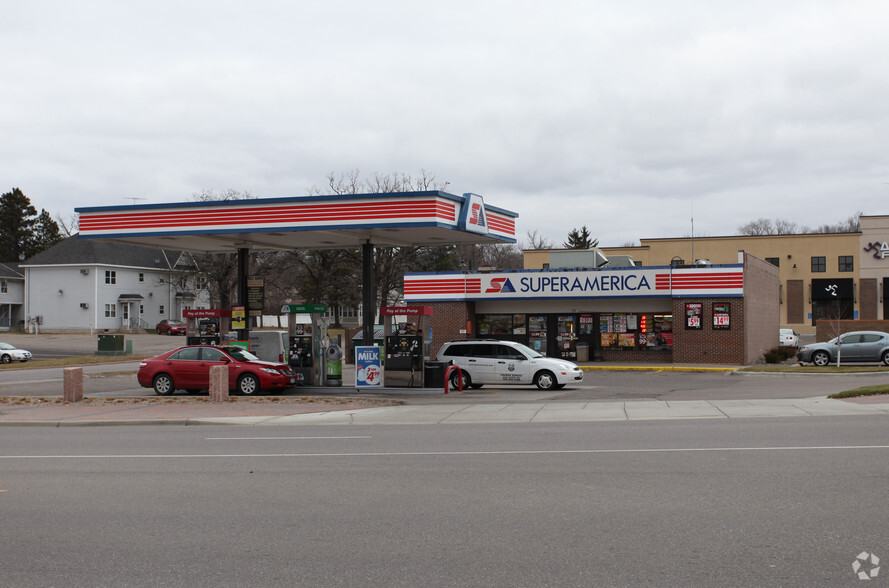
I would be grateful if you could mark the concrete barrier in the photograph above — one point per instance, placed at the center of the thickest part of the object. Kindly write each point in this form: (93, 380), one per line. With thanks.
(72, 384)
(219, 383)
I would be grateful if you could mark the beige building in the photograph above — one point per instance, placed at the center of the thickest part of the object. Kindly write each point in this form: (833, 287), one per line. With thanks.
(832, 275)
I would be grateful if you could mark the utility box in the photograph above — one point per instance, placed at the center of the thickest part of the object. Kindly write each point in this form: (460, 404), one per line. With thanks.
(111, 345)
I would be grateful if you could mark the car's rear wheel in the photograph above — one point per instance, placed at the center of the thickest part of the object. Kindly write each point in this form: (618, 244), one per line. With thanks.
(545, 380)
(886, 358)
(454, 380)
(821, 358)
(6, 359)
(163, 385)
(248, 384)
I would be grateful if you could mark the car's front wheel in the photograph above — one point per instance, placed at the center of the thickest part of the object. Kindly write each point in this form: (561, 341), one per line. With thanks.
(248, 384)
(886, 358)
(6, 359)
(545, 380)
(820, 358)
(163, 385)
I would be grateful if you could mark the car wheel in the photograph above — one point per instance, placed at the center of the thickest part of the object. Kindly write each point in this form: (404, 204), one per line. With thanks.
(820, 358)
(886, 358)
(5, 359)
(248, 384)
(454, 380)
(163, 385)
(545, 380)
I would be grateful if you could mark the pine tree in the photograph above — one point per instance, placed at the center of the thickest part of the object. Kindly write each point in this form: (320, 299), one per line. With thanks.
(581, 239)
(17, 222)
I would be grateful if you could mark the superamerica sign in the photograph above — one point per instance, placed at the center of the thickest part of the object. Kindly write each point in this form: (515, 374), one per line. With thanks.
(617, 283)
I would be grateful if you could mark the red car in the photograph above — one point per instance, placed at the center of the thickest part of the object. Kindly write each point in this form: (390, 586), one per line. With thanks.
(168, 327)
(188, 368)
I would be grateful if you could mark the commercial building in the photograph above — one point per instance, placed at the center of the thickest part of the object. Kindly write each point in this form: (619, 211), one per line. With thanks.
(821, 275)
(725, 314)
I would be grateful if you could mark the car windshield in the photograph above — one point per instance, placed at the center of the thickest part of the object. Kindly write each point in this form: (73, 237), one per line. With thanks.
(241, 354)
(6, 346)
(176, 323)
(531, 353)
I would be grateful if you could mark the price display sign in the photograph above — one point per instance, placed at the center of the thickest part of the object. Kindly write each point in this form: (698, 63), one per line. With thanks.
(722, 315)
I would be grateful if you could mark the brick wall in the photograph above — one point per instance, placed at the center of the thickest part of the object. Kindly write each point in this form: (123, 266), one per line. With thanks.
(795, 302)
(826, 329)
(446, 321)
(709, 345)
(867, 299)
(762, 312)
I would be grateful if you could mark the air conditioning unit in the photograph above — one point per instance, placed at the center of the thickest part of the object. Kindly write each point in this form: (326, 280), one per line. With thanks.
(85, 271)
(84, 305)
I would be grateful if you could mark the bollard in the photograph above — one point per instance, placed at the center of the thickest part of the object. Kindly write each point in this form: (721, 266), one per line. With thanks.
(448, 378)
(72, 384)
(219, 383)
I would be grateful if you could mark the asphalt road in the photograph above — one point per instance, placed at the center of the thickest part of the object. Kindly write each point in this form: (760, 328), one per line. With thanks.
(789, 502)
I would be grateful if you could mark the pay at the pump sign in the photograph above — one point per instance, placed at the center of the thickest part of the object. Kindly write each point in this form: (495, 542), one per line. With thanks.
(368, 368)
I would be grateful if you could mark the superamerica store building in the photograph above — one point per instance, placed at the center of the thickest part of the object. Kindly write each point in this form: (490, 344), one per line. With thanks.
(721, 314)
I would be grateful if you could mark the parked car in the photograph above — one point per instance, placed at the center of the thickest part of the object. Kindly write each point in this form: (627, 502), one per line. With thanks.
(485, 361)
(188, 368)
(9, 353)
(788, 338)
(855, 346)
(170, 327)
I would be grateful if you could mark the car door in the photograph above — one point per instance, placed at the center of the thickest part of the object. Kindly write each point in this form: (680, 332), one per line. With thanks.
(210, 357)
(184, 367)
(480, 365)
(511, 366)
(871, 346)
(851, 347)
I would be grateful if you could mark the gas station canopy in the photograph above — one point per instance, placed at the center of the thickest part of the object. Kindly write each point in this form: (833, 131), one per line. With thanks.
(309, 222)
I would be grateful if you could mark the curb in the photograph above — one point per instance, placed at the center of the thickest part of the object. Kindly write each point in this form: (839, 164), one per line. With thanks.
(627, 368)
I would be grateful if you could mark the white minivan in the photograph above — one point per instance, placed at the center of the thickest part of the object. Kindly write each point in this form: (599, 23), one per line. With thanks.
(487, 361)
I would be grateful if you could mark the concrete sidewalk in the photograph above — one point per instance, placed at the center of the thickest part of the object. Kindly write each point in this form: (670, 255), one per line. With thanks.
(381, 411)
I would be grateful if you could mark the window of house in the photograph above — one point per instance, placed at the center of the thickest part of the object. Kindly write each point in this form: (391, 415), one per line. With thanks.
(4, 287)
(110, 277)
(775, 261)
(201, 282)
(141, 309)
(819, 264)
(141, 277)
(110, 310)
(846, 263)
(160, 309)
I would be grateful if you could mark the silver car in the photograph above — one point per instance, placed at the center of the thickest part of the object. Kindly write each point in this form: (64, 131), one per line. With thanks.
(9, 353)
(870, 346)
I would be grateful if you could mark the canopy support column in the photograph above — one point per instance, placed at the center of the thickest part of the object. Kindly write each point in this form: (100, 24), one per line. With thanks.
(243, 268)
(367, 293)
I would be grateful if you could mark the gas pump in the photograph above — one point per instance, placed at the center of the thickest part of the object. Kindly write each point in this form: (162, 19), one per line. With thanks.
(405, 351)
(202, 325)
(306, 338)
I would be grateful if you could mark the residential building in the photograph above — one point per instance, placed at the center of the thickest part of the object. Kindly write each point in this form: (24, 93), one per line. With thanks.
(12, 296)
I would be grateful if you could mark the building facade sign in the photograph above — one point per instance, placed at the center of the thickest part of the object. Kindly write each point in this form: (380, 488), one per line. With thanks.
(615, 283)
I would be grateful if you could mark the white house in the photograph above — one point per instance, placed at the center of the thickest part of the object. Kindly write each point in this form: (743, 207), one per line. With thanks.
(12, 296)
(87, 285)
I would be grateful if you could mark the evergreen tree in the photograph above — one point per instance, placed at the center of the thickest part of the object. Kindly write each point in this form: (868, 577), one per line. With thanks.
(18, 219)
(580, 239)
(46, 233)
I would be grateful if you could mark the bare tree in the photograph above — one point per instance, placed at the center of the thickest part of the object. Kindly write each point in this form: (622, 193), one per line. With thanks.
(536, 241)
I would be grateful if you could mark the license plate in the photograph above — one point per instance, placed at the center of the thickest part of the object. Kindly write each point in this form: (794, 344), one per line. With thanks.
(293, 380)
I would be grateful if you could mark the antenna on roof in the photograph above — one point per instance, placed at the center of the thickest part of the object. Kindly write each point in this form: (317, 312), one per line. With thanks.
(134, 198)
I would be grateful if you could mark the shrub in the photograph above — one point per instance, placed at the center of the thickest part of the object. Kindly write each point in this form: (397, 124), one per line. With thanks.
(779, 354)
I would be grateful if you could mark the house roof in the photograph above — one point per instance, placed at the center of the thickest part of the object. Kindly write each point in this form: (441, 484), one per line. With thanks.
(74, 251)
(11, 270)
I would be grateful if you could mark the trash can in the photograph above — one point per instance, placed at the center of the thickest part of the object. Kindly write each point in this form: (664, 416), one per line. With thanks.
(334, 365)
(434, 374)
(583, 351)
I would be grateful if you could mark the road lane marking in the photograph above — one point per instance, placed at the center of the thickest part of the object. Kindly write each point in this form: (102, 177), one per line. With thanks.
(450, 453)
(281, 438)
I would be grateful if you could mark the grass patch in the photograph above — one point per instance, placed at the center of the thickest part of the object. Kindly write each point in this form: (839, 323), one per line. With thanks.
(863, 391)
(75, 361)
(814, 369)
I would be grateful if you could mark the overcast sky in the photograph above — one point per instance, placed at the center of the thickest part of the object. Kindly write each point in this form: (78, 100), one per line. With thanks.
(621, 116)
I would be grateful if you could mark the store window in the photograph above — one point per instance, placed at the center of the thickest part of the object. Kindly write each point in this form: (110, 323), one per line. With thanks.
(566, 336)
(846, 263)
(501, 325)
(775, 261)
(537, 333)
(636, 331)
(819, 264)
